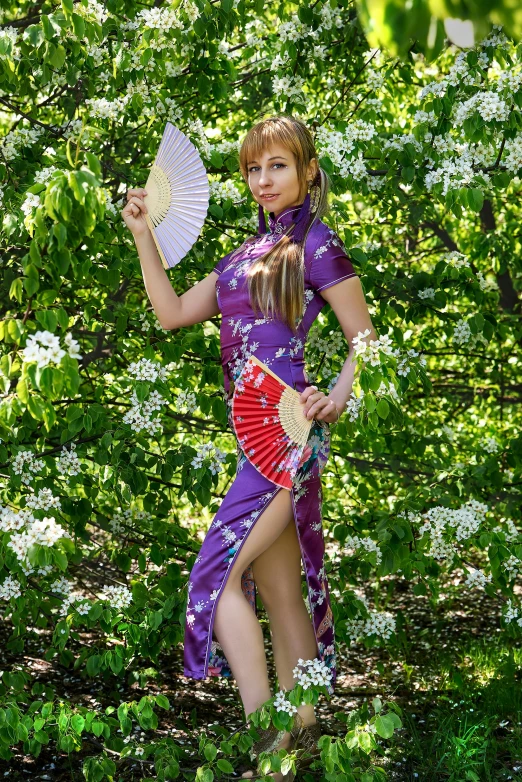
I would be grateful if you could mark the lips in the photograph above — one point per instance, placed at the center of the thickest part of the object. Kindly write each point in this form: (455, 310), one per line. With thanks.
(269, 197)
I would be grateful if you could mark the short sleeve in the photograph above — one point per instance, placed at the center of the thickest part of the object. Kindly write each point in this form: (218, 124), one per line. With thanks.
(218, 268)
(330, 263)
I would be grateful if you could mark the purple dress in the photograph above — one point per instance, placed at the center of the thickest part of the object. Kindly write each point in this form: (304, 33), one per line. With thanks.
(242, 335)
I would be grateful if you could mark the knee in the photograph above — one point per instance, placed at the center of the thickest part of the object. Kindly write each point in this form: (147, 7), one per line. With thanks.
(280, 598)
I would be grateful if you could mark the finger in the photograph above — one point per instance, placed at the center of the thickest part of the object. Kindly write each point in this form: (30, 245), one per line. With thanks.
(135, 191)
(324, 410)
(313, 398)
(306, 393)
(329, 407)
(312, 409)
(139, 203)
(320, 407)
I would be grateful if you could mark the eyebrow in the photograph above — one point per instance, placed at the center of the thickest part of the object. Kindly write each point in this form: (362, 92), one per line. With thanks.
(270, 158)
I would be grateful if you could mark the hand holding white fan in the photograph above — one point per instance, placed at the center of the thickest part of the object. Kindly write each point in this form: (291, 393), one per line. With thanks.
(177, 196)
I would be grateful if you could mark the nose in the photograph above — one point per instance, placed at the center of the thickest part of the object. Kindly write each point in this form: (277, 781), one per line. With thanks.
(264, 178)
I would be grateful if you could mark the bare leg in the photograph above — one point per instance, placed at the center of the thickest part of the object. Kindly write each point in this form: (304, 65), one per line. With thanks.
(235, 625)
(277, 572)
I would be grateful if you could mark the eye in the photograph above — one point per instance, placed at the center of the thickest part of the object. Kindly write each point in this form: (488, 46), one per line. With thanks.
(275, 164)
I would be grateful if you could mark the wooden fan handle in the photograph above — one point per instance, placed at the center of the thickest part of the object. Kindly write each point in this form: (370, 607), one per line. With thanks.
(160, 251)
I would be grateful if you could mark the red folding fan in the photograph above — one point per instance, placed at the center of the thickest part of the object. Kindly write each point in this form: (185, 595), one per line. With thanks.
(269, 421)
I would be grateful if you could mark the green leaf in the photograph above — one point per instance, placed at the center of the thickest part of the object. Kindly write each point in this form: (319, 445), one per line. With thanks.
(77, 723)
(383, 408)
(97, 728)
(384, 726)
(162, 701)
(93, 665)
(475, 199)
(61, 559)
(365, 741)
(210, 751)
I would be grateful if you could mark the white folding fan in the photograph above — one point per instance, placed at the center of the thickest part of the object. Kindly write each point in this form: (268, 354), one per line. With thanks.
(177, 196)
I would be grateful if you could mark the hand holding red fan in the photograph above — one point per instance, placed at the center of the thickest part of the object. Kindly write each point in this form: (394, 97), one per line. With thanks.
(269, 422)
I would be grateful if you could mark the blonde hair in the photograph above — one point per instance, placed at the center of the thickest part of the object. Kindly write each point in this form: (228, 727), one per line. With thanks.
(276, 278)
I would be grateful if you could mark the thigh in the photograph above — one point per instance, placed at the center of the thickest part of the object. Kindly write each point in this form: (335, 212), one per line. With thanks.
(277, 571)
(264, 531)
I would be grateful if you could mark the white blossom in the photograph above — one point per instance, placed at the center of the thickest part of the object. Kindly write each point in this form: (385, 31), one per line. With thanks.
(118, 596)
(312, 672)
(68, 463)
(211, 452)
(34, 465)
(10, 587)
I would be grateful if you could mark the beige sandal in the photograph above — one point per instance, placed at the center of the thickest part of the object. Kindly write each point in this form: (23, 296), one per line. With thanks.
(305, 741)
(268, 741)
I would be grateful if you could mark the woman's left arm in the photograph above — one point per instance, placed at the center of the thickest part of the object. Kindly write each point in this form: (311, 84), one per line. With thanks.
(346, 298)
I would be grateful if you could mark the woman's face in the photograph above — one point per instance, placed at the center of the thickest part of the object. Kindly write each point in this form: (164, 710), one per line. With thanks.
(275, 174)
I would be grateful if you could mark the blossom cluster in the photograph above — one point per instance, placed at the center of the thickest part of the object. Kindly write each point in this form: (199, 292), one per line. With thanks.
(465, 520)
(371, 351)
(139, 416)
(312, 672)
(148, 370)
(513, 613)
(126, 517)
(199, 137)
(512, 566)
(511, 533)
(353, 405)
(147, 321)
(379, 623)
(19, 138)
(186, 399)
(44, 500)
(490, 445)
(462, 334)
(330, 345)
(456, 259)
(43, 347)
(355, 542)
(68, 463)
(477, 578)
(44, 532)
(404, 361)
(14, 519)
(118, 596)
(281, 704)
(212, 452)
(342, 148)
(10, 587)
(34, 465)
(63, 586)
(220, 191)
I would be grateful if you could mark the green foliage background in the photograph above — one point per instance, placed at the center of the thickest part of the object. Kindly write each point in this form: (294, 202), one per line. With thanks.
(86, 90)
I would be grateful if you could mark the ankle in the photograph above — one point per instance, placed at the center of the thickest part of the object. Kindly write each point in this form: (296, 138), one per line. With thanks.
(307, 715)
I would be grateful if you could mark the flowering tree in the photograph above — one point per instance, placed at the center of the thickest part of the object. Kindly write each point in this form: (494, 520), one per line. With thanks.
(114, 445)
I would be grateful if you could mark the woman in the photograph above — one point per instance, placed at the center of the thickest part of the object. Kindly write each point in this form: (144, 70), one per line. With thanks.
(269, 292)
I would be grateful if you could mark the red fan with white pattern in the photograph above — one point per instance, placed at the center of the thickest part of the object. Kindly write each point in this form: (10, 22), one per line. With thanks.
(269, 421)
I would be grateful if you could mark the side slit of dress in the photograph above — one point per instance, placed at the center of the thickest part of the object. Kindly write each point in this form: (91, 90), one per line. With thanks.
(252, 600)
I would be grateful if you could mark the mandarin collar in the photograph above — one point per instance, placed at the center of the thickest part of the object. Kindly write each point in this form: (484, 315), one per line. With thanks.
(282, 221)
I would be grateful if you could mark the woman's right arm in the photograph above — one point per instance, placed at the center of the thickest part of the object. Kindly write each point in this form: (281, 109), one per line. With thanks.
(198, 304)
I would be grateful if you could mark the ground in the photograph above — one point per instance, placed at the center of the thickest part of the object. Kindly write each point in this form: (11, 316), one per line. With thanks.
(460, 694)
